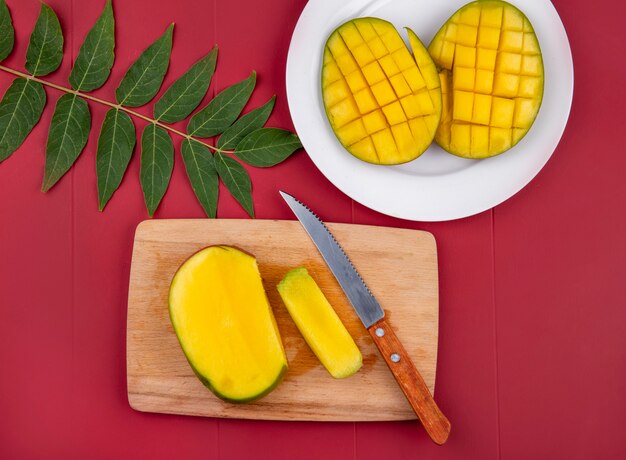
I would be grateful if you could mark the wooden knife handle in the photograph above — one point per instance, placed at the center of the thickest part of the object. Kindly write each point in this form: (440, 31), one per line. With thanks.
(411, 382)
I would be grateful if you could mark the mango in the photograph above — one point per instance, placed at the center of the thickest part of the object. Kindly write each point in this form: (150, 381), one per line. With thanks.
(225, 325)
(383, 103)
(492, 76)
(319, 324)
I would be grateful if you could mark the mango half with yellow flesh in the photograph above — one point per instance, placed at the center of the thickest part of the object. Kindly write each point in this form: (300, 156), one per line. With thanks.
(225, 325)
(383, 103)
(491, 78)
(319, 324)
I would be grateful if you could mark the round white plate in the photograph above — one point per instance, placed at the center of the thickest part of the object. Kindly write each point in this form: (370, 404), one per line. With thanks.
(436, 186)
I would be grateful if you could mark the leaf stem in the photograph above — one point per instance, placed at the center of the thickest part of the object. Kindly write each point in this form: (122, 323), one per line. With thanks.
(112, 105)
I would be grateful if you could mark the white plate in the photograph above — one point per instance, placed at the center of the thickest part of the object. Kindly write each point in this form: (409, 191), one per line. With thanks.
(436, 186)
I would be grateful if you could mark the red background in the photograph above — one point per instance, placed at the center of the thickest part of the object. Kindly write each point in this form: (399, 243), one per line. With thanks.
(532, 360)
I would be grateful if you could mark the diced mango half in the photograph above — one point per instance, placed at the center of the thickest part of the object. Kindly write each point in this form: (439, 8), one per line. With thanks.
(383, 102)
(491, 74)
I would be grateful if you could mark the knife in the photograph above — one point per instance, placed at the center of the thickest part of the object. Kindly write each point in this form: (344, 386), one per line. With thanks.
(373, 318)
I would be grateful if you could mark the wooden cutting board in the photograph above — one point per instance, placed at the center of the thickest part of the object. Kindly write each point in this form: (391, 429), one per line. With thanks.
(399, 266)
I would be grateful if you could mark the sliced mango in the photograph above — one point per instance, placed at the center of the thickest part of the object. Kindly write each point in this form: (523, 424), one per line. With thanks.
(225, 324)
(492, 76)
(319, 324)
(383, 102)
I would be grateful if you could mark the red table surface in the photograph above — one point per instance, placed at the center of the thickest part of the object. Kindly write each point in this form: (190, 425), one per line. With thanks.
(532, 349)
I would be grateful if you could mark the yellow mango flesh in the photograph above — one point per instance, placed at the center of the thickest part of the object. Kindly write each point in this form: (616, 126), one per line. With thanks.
(492, 77)
(383, 103)
(319, 324)
(225, 325)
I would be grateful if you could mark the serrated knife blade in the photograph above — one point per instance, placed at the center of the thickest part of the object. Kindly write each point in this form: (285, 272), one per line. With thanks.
(359, 295)
(373, 317)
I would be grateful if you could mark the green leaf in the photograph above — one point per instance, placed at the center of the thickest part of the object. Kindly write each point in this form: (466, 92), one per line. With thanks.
(236, 180)
(115, 148)
(157, 162)
(45, 49)
(245, 125)
(200, 167)
(96, 55)
(144, 78)
(20, 110)
(7, 33)
(67, 137)
(184, 95)
(267, 147)
(220, 113)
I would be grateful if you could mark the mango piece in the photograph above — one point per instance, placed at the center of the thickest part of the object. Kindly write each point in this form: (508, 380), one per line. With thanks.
(363, 55)
(506, 85)
(502, 111)
(375, 121)
(486, 58)
(365, 101)
(484, 81)
(386, 147)
(373, 73)
(343, 112)
(389, 66)
(338, 91)
(225, 324)
(488, 38)
(400, 86)
(383, 92)
(394, 114)
(511, 41)
(494, 69)
(509, 63)
(374, 89)
(463, 79)
(353, 132)
(518, 134)
(479, 141)
(356, 82)
(481, 111)
(365, 149)
(529, 86)
(331, 73)
(414, 79)
(465, 57)
(525, 110)
(460, 139)
(499, 140)
(463, 106)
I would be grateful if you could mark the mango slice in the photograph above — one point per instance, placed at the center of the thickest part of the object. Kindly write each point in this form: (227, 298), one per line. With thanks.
(319, 324)
(225, 324)
(383, 103)
(492, 78)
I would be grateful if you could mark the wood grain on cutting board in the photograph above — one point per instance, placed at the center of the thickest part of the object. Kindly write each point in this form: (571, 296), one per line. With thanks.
(399, 266)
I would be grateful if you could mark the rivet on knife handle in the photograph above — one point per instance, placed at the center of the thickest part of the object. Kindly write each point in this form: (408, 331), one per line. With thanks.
(410, 381)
